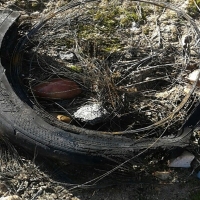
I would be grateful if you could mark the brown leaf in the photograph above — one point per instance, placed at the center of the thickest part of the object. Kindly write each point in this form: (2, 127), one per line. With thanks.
(57, 89)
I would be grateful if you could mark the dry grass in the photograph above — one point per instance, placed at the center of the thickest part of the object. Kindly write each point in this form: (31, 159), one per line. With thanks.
(126, 63)
(136, 71)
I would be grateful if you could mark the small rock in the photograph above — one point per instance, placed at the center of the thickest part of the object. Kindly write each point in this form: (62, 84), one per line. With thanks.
(184, 160)
(194, 75)
(13, 197)
(91, 113)
(66, 55)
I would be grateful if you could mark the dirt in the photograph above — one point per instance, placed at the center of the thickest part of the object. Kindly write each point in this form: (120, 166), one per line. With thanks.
(32, 177)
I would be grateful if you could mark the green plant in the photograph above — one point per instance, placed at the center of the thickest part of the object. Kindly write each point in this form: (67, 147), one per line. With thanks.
(192, 8)
(101, 35)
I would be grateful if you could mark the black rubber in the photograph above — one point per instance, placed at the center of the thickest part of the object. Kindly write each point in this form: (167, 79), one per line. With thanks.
(24, 127)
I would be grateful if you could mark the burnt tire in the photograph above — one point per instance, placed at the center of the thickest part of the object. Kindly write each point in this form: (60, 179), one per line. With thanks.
(23, 126)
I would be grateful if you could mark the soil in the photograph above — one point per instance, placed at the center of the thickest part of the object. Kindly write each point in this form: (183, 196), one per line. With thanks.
(31, 177)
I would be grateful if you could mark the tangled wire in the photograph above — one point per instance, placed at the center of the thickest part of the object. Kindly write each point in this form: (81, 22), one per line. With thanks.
(131, 60)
